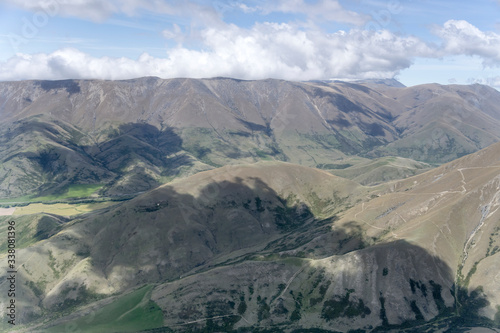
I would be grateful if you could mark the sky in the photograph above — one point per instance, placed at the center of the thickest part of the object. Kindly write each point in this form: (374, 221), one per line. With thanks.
(412, 41)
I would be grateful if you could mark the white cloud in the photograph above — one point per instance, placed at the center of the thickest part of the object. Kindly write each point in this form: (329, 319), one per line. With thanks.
(173, 33)
(493, 81)
(285, 51)
(461, 37)
(246, 9)
(199, 11)
(265, 50)
(70, 63)
(90, 9)
(329, 10)
(98, 10)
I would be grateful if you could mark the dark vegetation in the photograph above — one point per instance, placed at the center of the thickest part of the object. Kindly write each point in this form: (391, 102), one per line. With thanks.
(334, 166)
(344, 306)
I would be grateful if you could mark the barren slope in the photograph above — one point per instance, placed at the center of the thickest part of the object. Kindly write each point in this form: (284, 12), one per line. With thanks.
(159, 129)
(284, 246)
(452, 212)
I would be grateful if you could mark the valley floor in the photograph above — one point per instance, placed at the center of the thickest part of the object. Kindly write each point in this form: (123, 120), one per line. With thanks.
(7, 211)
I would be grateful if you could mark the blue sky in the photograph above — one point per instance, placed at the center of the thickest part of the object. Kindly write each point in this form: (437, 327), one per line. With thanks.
(414, 41)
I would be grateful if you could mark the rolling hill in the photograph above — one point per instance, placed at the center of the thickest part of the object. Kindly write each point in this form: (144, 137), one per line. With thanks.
(277, 246)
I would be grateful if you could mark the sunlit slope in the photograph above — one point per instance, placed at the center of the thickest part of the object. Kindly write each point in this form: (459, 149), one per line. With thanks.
(381, 170)
(453, 212)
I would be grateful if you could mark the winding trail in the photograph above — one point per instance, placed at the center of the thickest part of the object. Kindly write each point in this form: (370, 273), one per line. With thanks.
(371, 225)
(288, 284)
(463, 191)
(209, 318)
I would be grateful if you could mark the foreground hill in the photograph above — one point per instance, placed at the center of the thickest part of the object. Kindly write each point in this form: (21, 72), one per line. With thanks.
(133, 135)
(276, 246)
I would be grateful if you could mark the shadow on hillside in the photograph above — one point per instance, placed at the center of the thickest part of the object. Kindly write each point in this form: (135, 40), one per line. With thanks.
(139, 154)
(71, 86)
(135, 157)
(169, 235)
(225, 217)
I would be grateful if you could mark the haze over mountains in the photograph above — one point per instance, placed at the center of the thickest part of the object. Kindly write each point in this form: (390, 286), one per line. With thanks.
(232, 217)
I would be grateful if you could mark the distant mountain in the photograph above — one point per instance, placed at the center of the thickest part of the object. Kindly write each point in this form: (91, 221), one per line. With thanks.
(388, 82)
(133, 135)
(275, 246)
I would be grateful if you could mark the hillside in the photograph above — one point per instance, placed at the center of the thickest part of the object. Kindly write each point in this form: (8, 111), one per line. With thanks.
(378, 170)
(277, 246)
(134, 135)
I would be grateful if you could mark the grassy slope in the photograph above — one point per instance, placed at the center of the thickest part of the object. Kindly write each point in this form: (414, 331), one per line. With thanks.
(64, 204)
(62, 209)
(381, 170)
(73, 191)
(129, 313)
(29, 229)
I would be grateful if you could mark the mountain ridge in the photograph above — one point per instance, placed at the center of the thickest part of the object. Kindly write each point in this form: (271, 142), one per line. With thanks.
(209, 123)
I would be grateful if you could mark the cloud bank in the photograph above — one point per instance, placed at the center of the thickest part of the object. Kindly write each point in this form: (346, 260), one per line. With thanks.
(293, 51)
(461, 37)
(266, 50)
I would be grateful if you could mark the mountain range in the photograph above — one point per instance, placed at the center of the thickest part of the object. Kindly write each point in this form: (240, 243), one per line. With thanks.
(131, 136)
(252, 206)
